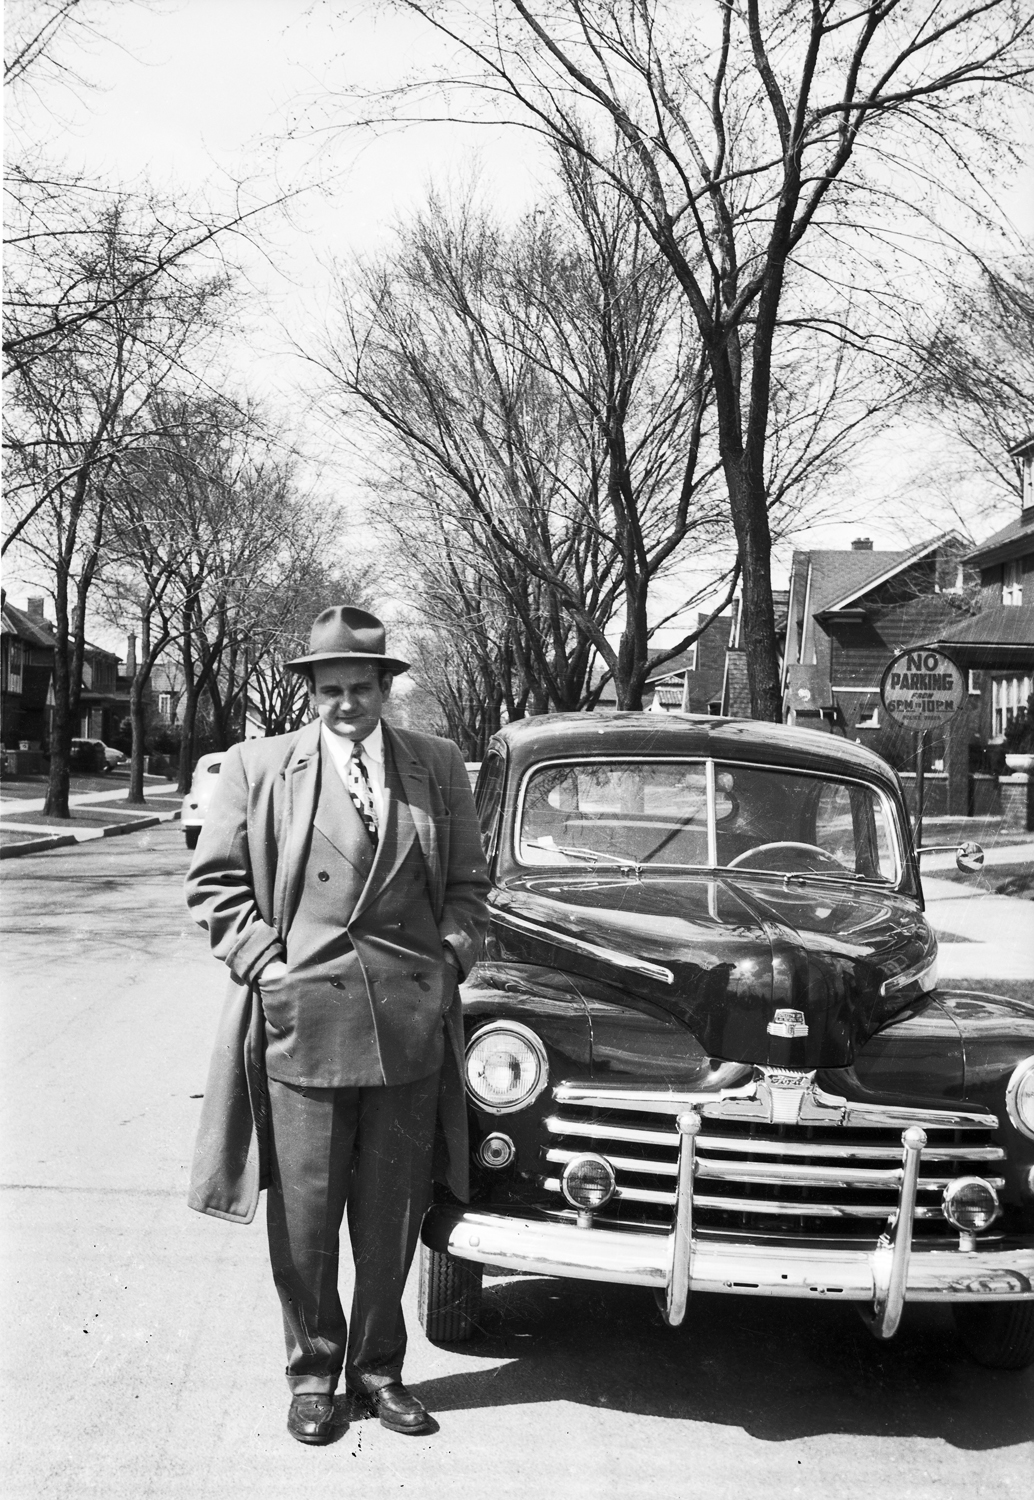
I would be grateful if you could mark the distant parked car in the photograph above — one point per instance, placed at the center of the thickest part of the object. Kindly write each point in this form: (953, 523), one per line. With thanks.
(94, 755)
(195, 803)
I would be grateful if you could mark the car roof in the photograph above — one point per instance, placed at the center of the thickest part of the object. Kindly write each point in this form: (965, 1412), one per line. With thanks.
(660, 735)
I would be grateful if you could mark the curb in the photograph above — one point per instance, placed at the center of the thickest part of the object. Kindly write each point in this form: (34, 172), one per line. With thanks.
(66, 840)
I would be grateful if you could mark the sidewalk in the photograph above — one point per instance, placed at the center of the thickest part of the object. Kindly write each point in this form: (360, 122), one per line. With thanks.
(92, 818)
(983, 936)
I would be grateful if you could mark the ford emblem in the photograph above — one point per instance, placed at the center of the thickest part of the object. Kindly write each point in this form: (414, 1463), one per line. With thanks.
(788, 1023)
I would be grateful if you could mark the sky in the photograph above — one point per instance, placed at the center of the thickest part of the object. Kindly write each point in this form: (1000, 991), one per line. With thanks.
(198, 96)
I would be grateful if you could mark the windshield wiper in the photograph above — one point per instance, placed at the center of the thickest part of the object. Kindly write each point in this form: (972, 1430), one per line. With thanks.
(595, 856)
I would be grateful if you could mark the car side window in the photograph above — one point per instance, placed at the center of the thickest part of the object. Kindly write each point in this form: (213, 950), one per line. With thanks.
(487, 794)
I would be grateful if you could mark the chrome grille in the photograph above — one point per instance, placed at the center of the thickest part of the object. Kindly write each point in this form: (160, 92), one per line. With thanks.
(757, 1176)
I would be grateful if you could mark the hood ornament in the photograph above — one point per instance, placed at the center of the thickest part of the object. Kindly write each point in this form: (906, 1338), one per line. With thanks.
(788, 1023)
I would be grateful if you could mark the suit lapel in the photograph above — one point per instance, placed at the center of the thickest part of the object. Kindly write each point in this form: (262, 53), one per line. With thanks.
(397, 835)
(301, 784)
(337, 820)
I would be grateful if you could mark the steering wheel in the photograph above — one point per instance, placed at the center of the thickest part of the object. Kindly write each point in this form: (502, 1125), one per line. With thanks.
(823, 855)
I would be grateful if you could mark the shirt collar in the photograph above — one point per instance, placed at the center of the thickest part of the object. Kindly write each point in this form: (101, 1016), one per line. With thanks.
(341, 747)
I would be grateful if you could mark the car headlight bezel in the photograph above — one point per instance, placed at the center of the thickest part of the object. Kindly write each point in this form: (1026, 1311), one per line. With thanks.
(539, 1071)
(1019, 1097)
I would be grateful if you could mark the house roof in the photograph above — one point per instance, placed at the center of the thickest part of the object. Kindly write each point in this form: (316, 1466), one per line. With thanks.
(35, 632)
(1003, 625)
(877, 568)
(1014, 540)
(40, 633)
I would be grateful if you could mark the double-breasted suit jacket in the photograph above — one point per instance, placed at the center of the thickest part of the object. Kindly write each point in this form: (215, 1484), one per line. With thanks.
(366, 1001)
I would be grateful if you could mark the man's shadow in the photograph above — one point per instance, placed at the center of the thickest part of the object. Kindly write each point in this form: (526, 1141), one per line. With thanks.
(779, 1369)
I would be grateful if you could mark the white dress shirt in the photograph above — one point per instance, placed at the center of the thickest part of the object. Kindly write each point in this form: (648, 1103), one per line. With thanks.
(338, 748)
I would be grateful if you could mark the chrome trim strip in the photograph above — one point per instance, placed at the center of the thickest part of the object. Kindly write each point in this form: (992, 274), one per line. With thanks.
(837, 1177)
(562, 940)
(730, 1104)
(560, 1125)
(557, 1125)
(625, 1163)
(548, 1248)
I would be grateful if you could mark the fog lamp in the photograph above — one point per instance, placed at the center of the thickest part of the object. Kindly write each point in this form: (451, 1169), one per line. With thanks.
(506, 1067)
(497, 1151)
(970, 1203)
(1019, 1096)
(588, 1182)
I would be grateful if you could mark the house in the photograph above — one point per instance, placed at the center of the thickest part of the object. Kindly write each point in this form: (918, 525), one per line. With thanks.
(29, 642)
(711, 676)
(27, 645)
(997, 645)
(850, 612)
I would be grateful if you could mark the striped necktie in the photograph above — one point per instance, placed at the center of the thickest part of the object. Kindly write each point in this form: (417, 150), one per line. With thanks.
(360, 791)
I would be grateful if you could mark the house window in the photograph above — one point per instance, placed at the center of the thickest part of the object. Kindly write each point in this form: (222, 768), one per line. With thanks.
(15, 661)
(1008, 701)
(1012, 582)
(869, 719)
(165, 705)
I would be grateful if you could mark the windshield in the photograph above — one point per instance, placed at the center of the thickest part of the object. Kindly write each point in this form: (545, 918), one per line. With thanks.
(661, 814)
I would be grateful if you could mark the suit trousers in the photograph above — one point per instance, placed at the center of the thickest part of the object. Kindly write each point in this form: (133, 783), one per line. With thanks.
(369, 1149)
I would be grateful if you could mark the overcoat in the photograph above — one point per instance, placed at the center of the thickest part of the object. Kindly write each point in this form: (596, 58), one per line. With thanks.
(243, 886)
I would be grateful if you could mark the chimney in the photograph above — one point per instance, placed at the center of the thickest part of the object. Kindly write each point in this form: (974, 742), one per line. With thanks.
(34, 609)
(862, 544)
(131, 654)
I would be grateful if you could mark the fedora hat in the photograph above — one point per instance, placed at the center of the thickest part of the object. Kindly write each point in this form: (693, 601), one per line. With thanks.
(342, 633)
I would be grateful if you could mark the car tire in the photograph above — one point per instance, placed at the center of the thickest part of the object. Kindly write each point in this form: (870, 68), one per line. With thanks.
(191, 835)
(449, 1301)
(1000, 1336)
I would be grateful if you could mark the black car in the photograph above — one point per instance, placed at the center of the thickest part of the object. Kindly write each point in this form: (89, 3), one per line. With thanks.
(706, 1049)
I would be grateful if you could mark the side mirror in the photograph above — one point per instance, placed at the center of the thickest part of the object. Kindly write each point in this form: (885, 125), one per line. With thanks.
(969, 856)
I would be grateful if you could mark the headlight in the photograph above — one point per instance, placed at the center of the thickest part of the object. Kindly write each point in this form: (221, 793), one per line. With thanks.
(506, 1067)
(970, 1203)
(1019, 1096)
(922, 977)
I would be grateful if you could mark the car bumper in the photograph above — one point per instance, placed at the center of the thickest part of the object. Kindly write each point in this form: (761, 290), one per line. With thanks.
(551, 1248)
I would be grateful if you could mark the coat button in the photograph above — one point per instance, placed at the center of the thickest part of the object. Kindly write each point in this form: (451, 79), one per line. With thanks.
(323, 875)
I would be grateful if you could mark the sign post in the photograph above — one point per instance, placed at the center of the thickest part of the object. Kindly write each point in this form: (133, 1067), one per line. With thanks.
(922, 690)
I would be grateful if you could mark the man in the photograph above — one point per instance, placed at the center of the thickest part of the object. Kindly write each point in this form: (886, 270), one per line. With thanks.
(341, 879)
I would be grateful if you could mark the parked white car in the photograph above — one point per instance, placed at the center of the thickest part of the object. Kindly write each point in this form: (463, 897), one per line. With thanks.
(195, 803)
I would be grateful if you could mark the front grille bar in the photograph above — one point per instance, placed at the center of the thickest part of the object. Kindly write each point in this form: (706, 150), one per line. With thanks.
(594, 1130)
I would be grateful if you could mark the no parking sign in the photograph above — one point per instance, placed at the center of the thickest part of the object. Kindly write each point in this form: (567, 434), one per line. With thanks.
(922, 689)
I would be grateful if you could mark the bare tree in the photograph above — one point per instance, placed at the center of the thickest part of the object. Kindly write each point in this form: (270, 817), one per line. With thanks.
(71, 416)
(978, 368)
(543, 408)
(779, 160)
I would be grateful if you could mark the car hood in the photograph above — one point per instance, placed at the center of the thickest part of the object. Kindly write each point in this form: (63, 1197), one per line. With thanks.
(757, 972)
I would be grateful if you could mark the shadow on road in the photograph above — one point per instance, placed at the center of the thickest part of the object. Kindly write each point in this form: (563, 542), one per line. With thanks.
(778, 1370)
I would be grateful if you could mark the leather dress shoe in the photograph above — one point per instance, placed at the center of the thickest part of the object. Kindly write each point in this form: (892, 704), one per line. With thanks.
(311, 1417)
(397, 1408)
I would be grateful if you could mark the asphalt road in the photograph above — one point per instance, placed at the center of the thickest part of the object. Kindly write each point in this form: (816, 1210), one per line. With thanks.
(143, 1354)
